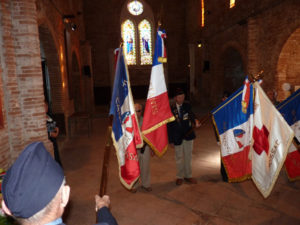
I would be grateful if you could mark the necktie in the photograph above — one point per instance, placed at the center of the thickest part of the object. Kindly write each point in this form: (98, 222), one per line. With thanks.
(180, 112)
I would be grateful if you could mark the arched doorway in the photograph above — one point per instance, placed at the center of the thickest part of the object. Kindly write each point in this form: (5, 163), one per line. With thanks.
(234, 74)
(52, 76)
(288, 67)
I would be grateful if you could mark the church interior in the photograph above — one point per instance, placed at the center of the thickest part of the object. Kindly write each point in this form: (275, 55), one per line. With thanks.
(62, 52)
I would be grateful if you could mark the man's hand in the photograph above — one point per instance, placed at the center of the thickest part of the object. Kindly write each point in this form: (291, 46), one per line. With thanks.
(101, 202)
(197, 123)
(54, 133)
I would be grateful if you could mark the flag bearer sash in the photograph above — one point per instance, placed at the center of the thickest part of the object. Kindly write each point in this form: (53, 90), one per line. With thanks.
(234, 128)
(290, 110)
(125, 130)
(272, 137)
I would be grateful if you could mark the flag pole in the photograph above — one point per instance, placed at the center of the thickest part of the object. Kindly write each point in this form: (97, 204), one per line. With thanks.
(107, 149)
(106, 158)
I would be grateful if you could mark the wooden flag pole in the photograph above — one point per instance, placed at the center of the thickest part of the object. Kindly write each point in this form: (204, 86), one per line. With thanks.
(106, 158)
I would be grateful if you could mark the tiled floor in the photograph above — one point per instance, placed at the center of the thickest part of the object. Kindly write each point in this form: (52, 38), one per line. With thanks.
(210, 202)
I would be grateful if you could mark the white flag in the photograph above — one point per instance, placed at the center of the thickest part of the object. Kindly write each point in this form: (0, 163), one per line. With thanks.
(272, 137)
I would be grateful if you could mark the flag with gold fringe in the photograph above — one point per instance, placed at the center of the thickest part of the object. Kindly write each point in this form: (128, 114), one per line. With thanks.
(125, 130)
(157, 110)
(290, 110)
(234, 123)
(272, 137)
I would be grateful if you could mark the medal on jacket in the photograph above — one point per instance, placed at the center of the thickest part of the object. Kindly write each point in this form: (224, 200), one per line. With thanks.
(176, 114)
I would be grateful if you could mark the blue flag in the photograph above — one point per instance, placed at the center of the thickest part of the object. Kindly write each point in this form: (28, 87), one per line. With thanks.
(290, 110)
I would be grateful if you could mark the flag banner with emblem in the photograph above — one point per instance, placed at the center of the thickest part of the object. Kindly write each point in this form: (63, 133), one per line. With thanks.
(234, 128)
(125, 130)
(272, 137)
(290, 110)
(157, 110)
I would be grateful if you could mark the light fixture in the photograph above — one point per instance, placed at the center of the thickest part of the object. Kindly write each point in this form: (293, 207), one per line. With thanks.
(199, 44)
(73, 26)
(67, 19)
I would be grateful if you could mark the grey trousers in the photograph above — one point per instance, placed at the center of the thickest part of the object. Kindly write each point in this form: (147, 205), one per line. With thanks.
(144, 161)
(183, 158)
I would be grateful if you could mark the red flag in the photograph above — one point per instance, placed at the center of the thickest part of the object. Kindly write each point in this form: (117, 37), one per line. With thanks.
(292, 162)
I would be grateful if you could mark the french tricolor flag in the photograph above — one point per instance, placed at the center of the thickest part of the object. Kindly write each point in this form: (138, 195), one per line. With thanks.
(125, 130)
(235, 132)
(157, 110)
(290, 110)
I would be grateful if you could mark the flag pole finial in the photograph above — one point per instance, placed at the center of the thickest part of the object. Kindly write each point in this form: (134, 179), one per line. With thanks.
(257, 76)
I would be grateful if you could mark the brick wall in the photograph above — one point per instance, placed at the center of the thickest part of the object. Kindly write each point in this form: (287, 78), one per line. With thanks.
(22, 84)
(264, 32)
(23, 24)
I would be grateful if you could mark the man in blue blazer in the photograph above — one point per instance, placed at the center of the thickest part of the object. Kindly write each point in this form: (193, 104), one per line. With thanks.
(34, 190)
(181, 136)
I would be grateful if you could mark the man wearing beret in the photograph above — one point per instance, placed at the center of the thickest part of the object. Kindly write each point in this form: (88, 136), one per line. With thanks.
(181, 136)
(34, 190)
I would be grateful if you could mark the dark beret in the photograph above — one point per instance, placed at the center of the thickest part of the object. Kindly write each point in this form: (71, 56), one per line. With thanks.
(32, 181)
(178, 91)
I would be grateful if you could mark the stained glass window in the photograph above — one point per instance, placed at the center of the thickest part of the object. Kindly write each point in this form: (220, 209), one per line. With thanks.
(128, 35)
(232, 3)
(145, 42)
(135, 8)
(202, 13)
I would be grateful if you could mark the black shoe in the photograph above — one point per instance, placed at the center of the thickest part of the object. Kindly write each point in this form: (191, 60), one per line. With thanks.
(190, 180)
(148, 189)
(179, 181)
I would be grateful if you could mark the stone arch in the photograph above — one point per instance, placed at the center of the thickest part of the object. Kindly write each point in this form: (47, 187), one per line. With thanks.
(288, 67)
(139, 74)
(147, 14)
(50, 56)
(231, 70)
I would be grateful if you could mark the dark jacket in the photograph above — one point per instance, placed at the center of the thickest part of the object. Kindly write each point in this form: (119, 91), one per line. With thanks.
(104, 217)
(182, 128)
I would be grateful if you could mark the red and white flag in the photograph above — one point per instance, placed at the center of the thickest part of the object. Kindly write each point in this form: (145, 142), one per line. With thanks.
(272, 137)
(157, 110)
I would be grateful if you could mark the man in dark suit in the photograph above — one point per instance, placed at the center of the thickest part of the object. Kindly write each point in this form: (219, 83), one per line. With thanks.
(34, 190)
(181, 136)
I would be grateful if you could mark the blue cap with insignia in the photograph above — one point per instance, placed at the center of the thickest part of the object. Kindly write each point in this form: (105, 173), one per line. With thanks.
(32, 181)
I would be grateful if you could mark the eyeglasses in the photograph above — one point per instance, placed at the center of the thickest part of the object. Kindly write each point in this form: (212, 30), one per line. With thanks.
(138, 110)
